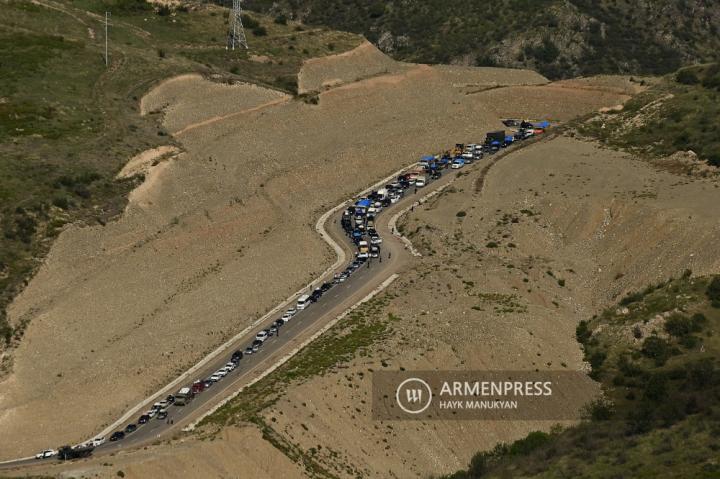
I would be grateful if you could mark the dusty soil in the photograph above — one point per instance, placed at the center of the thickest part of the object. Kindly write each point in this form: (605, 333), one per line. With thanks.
(224, 232)
(576, 228)
(318, 74)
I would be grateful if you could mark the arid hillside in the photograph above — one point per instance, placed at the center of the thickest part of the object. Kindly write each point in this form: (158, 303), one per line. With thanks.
(225, 238)
(222, 231)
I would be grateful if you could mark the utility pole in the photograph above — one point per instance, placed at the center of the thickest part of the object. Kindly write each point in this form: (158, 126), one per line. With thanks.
(107, 15)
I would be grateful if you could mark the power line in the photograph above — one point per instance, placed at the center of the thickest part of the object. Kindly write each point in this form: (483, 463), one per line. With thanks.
(107, 15)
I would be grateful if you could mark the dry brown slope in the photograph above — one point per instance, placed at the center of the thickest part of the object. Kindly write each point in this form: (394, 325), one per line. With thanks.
(563, 207)
(217, 236)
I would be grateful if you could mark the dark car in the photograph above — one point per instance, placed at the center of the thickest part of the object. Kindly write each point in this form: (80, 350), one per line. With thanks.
(143, 419)
(170, 399)
(325, 287)
(130, 428)
(236, 356)
(198, 387)
(117, 435)
(278, 323)
(257, 342)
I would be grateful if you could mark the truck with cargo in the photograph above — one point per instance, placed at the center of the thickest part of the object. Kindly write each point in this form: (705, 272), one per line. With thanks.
(183, 396)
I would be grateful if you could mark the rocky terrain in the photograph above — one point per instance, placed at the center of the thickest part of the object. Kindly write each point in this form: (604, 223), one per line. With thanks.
(559, 38)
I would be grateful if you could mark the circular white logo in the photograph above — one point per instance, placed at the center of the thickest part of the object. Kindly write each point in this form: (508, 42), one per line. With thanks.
(413, 395)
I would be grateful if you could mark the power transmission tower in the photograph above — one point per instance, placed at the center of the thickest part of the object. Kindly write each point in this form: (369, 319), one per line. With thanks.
(236, 32)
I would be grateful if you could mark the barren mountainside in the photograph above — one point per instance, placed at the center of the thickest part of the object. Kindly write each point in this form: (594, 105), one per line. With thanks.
(560, 38)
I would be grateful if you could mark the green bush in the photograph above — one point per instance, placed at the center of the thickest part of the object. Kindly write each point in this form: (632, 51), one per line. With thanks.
(713, 292)
(582, 332)
(248, 21)
(687, 76)
(678, 325)
(534, 440)
(657, 349)
(259, 31)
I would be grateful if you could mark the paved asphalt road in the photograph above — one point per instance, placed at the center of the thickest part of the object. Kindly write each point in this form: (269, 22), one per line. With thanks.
(305, 323)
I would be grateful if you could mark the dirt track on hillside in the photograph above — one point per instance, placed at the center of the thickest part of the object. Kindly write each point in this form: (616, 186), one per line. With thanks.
(220, 235)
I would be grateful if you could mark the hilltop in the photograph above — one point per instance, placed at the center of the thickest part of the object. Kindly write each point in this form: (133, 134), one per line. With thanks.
(558, 38)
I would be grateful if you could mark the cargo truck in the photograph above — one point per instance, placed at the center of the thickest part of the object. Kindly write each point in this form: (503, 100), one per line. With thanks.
(183, 397)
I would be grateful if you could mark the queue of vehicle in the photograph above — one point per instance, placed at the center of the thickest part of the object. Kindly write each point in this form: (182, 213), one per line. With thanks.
(358, 221)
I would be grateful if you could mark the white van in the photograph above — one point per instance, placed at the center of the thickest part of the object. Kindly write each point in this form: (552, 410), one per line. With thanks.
(303, 302)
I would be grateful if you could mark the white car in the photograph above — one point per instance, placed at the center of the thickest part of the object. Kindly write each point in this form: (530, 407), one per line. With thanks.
(261, 336)
(231, 365)
(286, 317)
(46, 453)
(291, 312)
(152, 412)
(375, 240)
(98, 441)
(215, 377)
(420, 182)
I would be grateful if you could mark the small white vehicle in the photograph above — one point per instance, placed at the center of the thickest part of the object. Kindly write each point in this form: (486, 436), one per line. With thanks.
(221, 372)
(375, 240)
(420, 182)
(291, 312)
(215, 377)
(46, 453)
(363, 255)
(261, 336)
(152, 412)
(231, 365)
(98, 441)
(394, 199)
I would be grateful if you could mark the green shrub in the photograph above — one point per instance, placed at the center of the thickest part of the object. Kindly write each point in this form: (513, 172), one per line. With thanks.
(259, 31)
(281, 19)
(657, 349)
(534, 440)
(460, 214)
(713, 292)
(678, 325)
(248, 21)
(582, 332)
(687, 76)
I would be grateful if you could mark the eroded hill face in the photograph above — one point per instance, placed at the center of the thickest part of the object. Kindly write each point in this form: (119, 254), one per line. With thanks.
(216, 236)
(223, 233)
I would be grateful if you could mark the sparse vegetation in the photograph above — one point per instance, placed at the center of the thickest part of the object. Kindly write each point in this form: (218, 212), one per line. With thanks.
(662, 398)
(68, 123)
(557, 38)
(671, 116)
